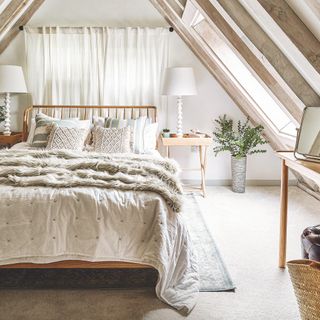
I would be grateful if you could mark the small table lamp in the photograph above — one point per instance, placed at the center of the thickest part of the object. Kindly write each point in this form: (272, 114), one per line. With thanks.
(11, 81)
(179, 81)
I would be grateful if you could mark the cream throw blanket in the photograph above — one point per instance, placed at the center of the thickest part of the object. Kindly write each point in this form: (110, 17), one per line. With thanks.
(65, 169)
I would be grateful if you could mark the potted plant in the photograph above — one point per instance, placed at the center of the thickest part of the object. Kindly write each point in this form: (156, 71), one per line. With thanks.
(166, 133)
(240, 143)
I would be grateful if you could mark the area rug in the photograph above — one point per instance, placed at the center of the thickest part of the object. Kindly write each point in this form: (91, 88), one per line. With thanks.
(213, 273)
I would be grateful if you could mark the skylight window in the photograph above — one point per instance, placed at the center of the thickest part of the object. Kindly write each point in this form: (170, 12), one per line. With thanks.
(267, 105)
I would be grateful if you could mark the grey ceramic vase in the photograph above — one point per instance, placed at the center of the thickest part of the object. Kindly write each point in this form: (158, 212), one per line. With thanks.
(238, 169)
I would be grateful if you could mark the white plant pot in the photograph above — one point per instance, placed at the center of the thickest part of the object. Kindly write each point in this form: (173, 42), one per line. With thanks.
(238, 170)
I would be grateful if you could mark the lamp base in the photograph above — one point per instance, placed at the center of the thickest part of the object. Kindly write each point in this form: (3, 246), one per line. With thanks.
(7, 131)
(179, 122)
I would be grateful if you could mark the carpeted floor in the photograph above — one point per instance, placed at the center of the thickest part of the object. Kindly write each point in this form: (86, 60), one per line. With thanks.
(245, 227)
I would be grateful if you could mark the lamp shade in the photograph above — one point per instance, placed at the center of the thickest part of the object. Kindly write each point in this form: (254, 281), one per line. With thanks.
(12, 79)
(179, 81)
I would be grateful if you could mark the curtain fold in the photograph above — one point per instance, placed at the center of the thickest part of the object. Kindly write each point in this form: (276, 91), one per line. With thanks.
(96, 65)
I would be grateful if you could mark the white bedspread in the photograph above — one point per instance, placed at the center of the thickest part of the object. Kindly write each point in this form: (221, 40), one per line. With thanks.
(43, 225)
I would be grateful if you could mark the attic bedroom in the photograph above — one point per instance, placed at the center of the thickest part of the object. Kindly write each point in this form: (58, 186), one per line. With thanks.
(159, 159)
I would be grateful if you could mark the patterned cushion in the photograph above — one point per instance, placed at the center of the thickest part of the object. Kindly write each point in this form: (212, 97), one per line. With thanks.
(43, 128)
(67, 138)
(142, 130)
(111, 140)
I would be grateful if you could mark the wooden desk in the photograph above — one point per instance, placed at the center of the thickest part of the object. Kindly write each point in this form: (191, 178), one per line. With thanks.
(202, 143)
(310, 170)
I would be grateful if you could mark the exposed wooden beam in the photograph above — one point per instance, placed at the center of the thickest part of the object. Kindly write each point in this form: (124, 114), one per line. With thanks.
(4, 4)
(14, 8)
(271, 52)
(252, 58)
(22, 20)
(295, 29)
(216, 68)
(283, 42)
(183, 2)
(308, 14)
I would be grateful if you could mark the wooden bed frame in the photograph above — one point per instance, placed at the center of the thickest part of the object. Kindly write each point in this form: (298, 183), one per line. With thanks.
(83, 112)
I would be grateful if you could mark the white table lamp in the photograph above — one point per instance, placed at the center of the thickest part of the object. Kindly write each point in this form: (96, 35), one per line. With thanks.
(11, 81)
(179, 82)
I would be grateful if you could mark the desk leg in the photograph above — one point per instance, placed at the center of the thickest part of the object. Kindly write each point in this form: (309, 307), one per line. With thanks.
(203, 161)
(283, 215)
(168, 151)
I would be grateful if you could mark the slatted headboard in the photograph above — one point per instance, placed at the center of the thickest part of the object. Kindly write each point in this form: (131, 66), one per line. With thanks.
(87, 112)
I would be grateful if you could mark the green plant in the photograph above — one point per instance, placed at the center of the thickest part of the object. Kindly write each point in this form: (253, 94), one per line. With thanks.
(240, 142)
(2, 113)
(166, 130)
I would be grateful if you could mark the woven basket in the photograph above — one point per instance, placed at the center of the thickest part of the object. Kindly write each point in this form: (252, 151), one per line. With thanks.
(305, 277)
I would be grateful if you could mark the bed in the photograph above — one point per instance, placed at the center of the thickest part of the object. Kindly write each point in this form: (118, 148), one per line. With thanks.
(54, 226)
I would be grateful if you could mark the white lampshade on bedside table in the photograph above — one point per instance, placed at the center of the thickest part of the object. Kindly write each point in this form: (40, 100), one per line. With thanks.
(179, 82)
(11, 81)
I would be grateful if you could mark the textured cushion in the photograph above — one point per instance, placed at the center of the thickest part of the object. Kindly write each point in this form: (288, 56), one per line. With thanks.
(111, 140)
(44, 125)
(42, 130)
(67, 138)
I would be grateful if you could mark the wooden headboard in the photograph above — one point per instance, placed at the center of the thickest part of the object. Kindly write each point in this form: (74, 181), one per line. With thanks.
(86, 113)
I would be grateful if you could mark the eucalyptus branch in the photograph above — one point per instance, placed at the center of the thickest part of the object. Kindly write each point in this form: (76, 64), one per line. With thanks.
(239, 143)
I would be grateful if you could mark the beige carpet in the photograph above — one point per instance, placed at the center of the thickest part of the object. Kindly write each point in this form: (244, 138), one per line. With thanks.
(245, 227)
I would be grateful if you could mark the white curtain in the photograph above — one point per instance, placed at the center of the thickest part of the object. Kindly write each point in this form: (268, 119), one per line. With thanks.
(96, 65)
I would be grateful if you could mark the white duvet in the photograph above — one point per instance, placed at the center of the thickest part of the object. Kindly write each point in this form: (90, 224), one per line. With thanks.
(43, 225)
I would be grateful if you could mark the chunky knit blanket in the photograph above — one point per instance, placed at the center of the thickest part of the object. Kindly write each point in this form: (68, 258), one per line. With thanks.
(66, 169)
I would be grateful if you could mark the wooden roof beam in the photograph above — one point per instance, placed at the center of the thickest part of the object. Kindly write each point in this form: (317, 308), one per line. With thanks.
(295, 30)
(261, 40)
(14, 9)
(283, 42)
(24, 16)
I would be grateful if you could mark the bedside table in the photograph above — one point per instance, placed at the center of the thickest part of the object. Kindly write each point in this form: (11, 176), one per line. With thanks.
(202, 143)
(9, 141)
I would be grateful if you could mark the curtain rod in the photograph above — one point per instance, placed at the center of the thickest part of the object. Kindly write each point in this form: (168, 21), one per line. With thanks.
(171, 29)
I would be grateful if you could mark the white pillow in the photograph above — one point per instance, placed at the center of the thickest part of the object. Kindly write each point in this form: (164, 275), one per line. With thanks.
(137, 128)
(150, 137)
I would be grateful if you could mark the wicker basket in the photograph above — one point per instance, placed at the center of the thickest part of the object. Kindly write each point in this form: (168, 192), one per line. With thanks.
(305, 277)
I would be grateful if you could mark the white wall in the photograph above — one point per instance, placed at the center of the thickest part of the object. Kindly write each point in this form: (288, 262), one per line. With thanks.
(199, 110)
